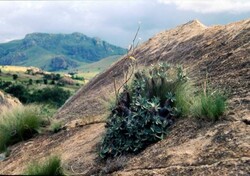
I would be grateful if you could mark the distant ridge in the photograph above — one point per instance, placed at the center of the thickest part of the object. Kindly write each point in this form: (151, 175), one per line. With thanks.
(54, 52)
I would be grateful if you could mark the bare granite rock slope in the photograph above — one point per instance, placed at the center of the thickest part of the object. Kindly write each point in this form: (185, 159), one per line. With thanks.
(192, 147)
(6, 101)
(222, 52)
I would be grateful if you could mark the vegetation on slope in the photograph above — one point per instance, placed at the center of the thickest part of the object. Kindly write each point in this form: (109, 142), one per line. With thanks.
(55, 96)
(147, 107)
(51, 166)
(19, 123)
(209, 105)
(38, 87)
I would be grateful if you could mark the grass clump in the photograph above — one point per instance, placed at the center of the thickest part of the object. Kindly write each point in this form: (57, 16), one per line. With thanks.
(51, 166)
(144, 110)
(55, 126)
(209, 105)
(19, 123)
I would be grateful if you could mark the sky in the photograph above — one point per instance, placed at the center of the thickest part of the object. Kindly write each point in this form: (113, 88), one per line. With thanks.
(114, 21)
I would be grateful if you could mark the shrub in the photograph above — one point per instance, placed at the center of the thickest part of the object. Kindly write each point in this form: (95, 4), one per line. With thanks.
(38, 81)
(15, 76)
(147, 107)
(4, 85)
(45, 81)
(30, 82)
(19, 123)
(52, 166)
(55, 96)
(19, 91)
(144, 111)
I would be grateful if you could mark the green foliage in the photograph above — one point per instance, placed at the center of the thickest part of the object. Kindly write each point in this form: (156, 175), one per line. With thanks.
(184, 95)
(144, 111)
(19, 91)
(209, 105)
(5, 84)
(147, 107)
(38, 81)
(52, 76)
(19, 123)
(45, 81)
(76, 77)
(30, 81)
(52, 82)
(15, 76)
(52, 166)
(55, 96)
(55, 126)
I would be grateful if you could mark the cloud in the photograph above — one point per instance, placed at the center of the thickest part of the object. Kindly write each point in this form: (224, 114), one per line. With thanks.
(211, 6)
(111, 20)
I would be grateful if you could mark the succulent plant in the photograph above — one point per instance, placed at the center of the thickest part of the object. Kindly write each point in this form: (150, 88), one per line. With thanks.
(144, 111)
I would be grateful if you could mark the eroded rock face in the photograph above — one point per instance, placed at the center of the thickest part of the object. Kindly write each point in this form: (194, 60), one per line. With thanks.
(6, 101)
(222, 52)
(192, 147)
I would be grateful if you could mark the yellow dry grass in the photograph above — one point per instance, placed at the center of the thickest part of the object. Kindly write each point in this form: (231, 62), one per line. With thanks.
(88, 75)
(8, 68)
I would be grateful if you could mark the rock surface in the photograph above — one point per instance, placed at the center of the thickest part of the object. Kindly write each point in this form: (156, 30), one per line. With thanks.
(6, 101)
(192, 147)
(221, 52)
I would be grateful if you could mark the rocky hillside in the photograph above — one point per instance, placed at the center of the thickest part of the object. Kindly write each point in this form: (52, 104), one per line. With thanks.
(222, 52)
(56, 51)
(192, 147)
(6, 101)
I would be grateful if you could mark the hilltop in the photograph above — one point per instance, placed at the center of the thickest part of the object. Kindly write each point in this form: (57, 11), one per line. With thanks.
(53, 52)
(219, 54)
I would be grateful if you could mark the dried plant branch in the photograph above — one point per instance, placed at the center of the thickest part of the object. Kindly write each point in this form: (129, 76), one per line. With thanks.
(126, 67)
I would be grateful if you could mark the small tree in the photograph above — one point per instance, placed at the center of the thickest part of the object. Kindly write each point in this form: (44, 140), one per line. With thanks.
(52, 82)
(38, 81)
(30, 81)
(15, 76)
(28, 71)
(57, 76)
(45, 81)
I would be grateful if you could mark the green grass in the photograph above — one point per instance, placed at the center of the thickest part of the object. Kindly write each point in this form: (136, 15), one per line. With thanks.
(23, 78)
(184, 95)
(19, 123)
(52, 166)
(209, 106)
(100, 65)
(55, 126)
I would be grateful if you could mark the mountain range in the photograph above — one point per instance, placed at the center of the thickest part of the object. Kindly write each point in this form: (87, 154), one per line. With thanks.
(55, 52)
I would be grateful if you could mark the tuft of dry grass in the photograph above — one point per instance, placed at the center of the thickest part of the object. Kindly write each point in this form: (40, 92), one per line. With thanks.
(51, 166)
(19, 123)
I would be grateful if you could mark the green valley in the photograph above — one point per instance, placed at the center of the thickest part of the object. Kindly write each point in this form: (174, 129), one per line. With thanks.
(57, 52)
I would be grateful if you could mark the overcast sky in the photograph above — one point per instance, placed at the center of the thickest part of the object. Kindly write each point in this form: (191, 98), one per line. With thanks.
(115, 21)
